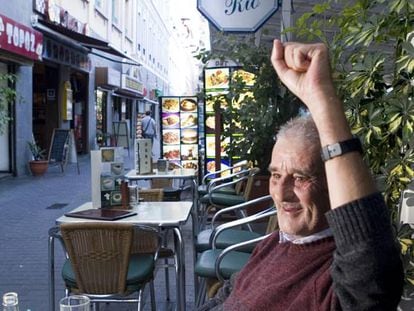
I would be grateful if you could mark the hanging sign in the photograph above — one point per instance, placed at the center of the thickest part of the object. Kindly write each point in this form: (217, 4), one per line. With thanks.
(238, 15)
(20, 39)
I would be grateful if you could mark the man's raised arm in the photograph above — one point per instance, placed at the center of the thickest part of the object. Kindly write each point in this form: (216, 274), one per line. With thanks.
(305, 70)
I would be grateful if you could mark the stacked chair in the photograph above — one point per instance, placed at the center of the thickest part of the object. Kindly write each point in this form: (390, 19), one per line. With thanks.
(224, 249)
(226, 191)
(101, 266)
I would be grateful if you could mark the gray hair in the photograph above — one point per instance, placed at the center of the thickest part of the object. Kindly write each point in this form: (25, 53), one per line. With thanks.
(300, 127)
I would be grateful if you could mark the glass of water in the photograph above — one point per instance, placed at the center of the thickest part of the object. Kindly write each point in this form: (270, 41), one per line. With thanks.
(75, 303)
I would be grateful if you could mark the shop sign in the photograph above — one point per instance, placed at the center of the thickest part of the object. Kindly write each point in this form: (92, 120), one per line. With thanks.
(132, 84)
(238, 15)
(62, 54)
(216, 62)
(158, 93)
(20, 39)
(58, 15)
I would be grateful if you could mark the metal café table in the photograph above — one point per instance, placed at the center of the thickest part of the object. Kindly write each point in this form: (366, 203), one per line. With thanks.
(170, 215)
(178, 173)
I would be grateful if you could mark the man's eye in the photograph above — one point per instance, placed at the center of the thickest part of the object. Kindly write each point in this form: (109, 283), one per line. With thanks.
(275, 175)
(300, 179)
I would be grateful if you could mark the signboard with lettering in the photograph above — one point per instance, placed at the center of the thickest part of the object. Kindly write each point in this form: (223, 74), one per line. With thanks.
(20, 39)
(131, 84)
(238, 15)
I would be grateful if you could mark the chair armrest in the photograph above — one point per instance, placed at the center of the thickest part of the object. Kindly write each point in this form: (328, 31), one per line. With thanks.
(239, 206)
(233, 248)
(238, 175)
(55, 233)
(271, 211)
(236, 165)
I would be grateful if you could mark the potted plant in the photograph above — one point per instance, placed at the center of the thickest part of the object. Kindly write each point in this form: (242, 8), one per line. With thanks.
(38, 164)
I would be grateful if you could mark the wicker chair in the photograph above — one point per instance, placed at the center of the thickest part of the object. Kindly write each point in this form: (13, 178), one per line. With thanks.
(171, 193)
(101, 266)
(148, 195)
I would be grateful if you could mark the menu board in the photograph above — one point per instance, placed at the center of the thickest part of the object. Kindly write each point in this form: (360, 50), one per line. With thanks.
(179, 130)
(217, 81)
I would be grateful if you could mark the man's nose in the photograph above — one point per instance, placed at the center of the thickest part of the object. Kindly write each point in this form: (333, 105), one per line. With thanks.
(284, 189)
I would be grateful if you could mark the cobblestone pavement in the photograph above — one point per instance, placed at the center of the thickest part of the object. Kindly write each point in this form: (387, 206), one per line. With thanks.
(29, 206)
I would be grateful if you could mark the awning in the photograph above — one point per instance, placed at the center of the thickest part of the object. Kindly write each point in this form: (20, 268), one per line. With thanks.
(79, 40)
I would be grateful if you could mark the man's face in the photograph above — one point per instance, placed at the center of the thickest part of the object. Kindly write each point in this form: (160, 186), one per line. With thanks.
(298, 187)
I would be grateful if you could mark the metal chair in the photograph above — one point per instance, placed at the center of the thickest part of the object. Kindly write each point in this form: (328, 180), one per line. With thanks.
(224, 174)
(225, 236)
(101, 266)
(215, 199)
(151, 195)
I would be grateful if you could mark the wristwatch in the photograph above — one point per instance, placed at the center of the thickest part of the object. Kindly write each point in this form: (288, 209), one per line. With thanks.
(335, 150)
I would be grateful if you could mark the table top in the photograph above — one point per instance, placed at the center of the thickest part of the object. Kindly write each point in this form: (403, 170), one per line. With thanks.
(148, 213)
(178, 173)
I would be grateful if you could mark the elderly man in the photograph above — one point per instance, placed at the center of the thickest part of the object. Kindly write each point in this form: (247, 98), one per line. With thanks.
(335, 249)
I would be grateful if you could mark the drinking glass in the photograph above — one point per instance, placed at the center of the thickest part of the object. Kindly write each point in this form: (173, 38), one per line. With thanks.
(75, 303)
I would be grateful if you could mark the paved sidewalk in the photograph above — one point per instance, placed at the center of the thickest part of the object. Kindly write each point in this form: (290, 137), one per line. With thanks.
(29, 207)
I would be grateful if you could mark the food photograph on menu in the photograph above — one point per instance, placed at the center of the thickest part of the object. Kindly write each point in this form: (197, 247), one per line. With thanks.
(247, 77)
(179, 128)
(190, 164)
(171, 137)
(188, 104)
(210, 124)
(189, 136)
(170, 105)
(170, 120)
(171, 152)
(217, 78)
(188, 119)
(189, 152)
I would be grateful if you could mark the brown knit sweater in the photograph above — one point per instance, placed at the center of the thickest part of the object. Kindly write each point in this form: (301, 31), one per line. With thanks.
(360, 270)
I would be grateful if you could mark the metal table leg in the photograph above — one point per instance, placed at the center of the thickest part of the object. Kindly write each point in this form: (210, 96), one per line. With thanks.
(51, 259)
(180, 270)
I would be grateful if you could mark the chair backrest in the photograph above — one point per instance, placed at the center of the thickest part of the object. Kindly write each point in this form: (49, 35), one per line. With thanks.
(148, 195)
(250, 181)
(99, 254)
(161, 182)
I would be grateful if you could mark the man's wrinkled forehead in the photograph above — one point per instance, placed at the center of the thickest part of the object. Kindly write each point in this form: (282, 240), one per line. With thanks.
(295, 154)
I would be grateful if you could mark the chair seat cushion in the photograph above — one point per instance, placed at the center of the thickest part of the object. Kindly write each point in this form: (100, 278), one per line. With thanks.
(231, 263)
(140, 270)
(223, 199)
(225, 239)
(202, 190)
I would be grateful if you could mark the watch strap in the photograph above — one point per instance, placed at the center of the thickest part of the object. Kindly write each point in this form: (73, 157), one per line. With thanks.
(337, 149)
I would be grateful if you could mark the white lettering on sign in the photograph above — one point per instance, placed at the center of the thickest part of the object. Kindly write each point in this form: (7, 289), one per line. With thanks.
(20, 38)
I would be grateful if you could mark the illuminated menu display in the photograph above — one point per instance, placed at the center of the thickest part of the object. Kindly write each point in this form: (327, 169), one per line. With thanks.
(179, 130)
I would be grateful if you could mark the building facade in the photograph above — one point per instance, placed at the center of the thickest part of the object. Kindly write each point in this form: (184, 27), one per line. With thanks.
(98, 62)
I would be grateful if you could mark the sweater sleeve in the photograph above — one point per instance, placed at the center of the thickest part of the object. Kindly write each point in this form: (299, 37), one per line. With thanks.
(367, 269)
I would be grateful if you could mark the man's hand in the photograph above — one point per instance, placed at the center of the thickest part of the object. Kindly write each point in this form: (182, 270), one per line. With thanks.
(305, 70)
